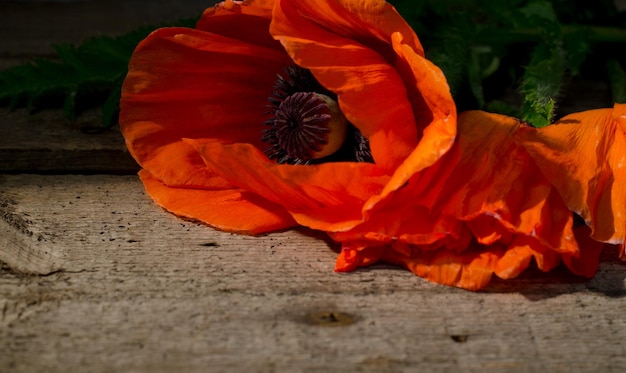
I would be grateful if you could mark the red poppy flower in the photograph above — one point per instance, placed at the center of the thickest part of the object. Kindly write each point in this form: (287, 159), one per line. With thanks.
(482, 209)
(584, 156)
(326, 114)
(194, 112)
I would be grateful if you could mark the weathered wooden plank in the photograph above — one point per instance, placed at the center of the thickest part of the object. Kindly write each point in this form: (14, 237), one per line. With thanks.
(132, 288)
(29, 28)
(66, 217)
(47, 142)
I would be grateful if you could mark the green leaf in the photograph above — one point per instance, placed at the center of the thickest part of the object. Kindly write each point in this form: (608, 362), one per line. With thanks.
(483, 62)
(475, 79)
(81, 76)
(541, 84)
(539, 12)
(617, 80)
(542, 79)
(452, 56)
(111, 107)
(577, 48)
(69, 106)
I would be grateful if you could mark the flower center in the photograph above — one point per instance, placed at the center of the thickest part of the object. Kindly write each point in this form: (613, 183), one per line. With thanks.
(307, 126)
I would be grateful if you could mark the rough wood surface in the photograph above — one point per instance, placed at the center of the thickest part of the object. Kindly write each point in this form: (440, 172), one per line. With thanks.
(129, 287)
(30, 28)
(95, 278)
(47, 142)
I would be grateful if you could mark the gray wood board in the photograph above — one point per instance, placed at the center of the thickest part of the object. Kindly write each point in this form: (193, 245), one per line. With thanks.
(47, 142)
(30, 28)
(125, 286)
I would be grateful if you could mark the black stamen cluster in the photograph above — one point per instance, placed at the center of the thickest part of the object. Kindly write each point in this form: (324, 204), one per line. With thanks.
(296, 127)
(300, 125)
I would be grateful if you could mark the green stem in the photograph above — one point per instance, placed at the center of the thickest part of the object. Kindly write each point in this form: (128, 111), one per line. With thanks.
(598, 33)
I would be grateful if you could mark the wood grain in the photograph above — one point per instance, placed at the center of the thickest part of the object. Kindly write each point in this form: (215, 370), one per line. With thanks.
(47, 142)
(129, 287)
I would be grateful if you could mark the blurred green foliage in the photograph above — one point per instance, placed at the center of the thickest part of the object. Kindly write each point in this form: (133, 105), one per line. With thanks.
(486, 48)
(83, 76)
(489, 47)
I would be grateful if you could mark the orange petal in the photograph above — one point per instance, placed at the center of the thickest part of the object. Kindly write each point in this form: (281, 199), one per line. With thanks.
(430, 98)
(483, 207)
(584, 262)
(583, 156)
(471, 270)
(233, 210)
(518, 254)
(351, 49)
(247, 22)
(354, 256)
(587, 262)
(326, 197)
(370, 21)
(514, 261)
(190, 83)
(486, 183)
